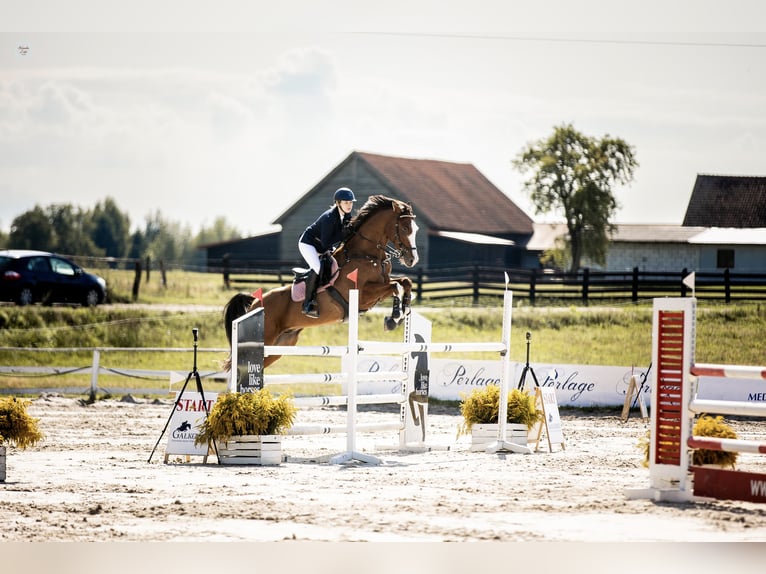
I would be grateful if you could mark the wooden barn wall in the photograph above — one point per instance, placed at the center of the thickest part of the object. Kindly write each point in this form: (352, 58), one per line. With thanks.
(250, 249)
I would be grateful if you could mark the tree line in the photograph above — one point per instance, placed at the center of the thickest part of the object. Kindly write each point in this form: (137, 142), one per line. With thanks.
(105, 231)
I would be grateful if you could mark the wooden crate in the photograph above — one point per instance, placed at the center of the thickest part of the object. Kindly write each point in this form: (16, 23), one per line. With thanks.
(484, 434)
(251, 449)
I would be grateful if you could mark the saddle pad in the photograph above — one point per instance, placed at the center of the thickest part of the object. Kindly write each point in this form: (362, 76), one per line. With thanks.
(298, 290)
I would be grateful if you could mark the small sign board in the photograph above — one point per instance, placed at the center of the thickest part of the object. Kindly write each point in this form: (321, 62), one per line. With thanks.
(185, 422)
(415, 411)
(247, 352)
(545, 400)
(634, 392)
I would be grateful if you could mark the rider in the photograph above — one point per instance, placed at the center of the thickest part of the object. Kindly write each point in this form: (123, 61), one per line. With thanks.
(321, 236)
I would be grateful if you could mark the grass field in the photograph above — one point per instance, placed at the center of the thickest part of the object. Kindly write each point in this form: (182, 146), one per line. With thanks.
(618, 335)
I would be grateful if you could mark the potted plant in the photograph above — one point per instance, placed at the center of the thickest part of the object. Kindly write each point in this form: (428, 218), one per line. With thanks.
(480, 411)
(245, 427)
(705, 425)
(16, 428)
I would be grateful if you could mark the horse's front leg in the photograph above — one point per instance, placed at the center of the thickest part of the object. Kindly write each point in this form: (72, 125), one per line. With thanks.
(402, 298)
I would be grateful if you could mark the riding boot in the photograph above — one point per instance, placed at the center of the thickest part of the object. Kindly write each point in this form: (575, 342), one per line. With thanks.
(310, 307)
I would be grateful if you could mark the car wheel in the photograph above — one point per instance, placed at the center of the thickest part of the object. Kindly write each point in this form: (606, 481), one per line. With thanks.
(91, 298)
(26, 297)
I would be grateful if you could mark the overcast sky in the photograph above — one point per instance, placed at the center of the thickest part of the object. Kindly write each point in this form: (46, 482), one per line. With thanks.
(236, 109)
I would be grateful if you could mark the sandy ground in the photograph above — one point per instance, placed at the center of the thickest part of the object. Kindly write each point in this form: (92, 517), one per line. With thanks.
(89, 480)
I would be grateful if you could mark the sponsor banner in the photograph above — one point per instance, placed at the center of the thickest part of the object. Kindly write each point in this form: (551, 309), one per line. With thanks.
(575, 385)
(731, 389)
(185, 422)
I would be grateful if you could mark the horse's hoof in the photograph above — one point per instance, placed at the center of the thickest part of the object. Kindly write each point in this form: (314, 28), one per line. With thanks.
(389, 324)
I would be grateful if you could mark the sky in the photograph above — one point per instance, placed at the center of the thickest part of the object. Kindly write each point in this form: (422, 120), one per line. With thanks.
(199, 110)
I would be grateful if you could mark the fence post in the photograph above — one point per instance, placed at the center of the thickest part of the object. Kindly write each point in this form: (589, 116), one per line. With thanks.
(163, 274)
(420, 285)
(148, 267)
(137, 279)
(634, 294)
(585, 285)
(94, 375)
(475, 285)
(727, 284)
(684, 273)
(225, 265)
(532, 285)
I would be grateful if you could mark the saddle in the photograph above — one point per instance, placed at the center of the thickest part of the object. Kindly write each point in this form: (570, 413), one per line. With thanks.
(328, 273)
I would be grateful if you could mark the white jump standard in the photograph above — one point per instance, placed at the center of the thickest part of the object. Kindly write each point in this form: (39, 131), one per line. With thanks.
(674, 406)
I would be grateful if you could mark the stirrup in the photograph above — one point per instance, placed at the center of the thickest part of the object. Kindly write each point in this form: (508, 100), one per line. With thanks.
(311, 309)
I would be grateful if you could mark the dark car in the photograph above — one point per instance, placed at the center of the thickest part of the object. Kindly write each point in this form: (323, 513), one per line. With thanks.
(28, 277)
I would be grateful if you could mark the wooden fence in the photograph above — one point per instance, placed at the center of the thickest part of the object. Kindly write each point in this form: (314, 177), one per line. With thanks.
(540, 287)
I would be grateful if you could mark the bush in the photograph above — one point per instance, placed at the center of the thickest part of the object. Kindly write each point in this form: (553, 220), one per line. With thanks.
(238, 414)
(16, 426)
(482, 406)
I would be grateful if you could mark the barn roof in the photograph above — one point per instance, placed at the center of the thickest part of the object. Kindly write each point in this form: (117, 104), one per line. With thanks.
(448, 196)
(727, 201)
(452, 196)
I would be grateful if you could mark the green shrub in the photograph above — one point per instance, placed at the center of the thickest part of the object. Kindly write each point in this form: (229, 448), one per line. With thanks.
(16, 426)
(482, 406)
(237, 414)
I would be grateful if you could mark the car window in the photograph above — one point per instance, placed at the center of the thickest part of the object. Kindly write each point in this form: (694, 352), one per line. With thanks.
(39, 264)
(62, 267)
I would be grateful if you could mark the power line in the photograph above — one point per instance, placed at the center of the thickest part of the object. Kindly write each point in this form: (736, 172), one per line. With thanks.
(562, 40)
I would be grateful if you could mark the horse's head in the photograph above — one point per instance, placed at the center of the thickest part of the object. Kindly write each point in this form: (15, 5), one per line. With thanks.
(388, 225)
(404, 234)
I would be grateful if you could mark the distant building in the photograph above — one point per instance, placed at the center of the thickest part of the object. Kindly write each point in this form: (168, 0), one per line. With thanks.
(724, 228)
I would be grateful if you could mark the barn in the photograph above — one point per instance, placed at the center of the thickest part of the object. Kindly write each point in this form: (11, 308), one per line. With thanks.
(464, 218)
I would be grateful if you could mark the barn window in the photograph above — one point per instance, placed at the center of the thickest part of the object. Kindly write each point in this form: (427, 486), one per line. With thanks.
(725, 259)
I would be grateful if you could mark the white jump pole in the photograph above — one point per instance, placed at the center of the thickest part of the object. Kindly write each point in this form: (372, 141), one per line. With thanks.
(502, 444)
(351, 388)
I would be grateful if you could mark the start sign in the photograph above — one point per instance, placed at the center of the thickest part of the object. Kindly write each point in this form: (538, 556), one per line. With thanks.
(185, 422)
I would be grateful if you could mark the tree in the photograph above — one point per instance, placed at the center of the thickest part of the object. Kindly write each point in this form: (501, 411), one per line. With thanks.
(111, 228)
(574, 173)
(32, 230)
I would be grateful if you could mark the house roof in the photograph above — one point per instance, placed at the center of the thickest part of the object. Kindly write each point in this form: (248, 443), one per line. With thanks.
(448, 196)
(727, 201)
(451, 196)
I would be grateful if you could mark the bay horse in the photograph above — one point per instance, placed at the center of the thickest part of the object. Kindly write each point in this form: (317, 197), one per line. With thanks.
(383, 230)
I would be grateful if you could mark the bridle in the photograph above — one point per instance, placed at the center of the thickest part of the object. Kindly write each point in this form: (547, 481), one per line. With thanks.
(392, 251)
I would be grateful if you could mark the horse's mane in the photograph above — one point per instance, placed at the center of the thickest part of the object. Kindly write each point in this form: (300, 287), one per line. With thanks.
(373, 205)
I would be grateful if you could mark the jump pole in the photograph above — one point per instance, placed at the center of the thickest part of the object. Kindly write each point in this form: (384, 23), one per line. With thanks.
(353, 376)
(502, 444)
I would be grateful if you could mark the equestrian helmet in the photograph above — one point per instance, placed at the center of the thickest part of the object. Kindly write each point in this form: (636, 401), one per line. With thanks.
(344, 194)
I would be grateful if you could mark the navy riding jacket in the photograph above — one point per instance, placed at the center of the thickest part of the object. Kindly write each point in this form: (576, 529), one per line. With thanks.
(326, 231)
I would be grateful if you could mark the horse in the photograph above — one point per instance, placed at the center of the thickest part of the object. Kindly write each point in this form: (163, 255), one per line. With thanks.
(383, 230)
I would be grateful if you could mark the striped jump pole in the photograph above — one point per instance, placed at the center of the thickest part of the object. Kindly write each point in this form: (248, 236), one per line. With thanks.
(672, 477)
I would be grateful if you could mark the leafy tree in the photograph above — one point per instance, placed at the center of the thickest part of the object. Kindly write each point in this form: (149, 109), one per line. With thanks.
(574, 173)
(72, 230)
(111, 228)
(32, 230)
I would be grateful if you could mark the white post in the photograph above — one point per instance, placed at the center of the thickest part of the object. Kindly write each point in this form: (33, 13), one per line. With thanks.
(501, 444)
(353, 367)
(673, 344)
(94, 374)
(351, 386)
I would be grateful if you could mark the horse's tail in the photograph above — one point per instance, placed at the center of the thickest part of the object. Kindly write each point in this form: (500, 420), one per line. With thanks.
(235, 308)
